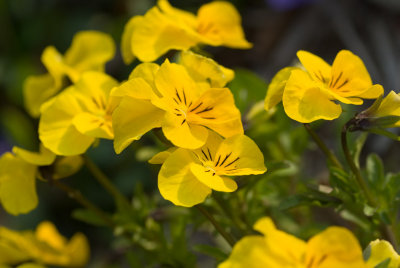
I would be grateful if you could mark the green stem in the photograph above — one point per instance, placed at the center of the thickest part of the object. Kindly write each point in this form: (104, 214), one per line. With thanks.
(218, 227)
(77, 196)
(105, 181)
(328, 153)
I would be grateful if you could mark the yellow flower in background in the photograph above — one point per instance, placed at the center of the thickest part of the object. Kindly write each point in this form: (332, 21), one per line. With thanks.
(71, 121)
(90, 50)
(168, 97)
(333, 248)
(313, 93)
(187, 177)
(18, 173)
(382, 251)
(164, 28)
(44, 246)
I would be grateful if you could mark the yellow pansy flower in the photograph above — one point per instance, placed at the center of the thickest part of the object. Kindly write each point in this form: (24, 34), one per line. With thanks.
(311, 94)
(167, 96)
(382, 250)
(18, 172)
(44, 246)
(333, 248)
(187, 176)
(71, 121)
(164, 28)
(90, 50)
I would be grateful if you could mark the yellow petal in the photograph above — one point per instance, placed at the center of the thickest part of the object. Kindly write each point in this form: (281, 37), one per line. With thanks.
(93, 125)
(48, 233)
(390, 105)
(382, 250)
(218, 112)
(17, 185)
(317, 68)
(132, 119)
(136, 88)
(156, 34)
(90, 50)
(281, 246)
(175, 85)
(177, 184)
(38, 89)
(56, 130)
(44, 158)
(276, 87)
(334, 247)
(54, 62)
(67, 166)
(160, 158)
(250, 252)
(30, 265)
(349, 75)
(180, 16)
(240, 155)
(78, 250)
(219, 23)
(210, 179)
(182, 134)
(145, 70)
(305, 102)
(372, 93)
(201, 68)
(10, 253)
(126, 46)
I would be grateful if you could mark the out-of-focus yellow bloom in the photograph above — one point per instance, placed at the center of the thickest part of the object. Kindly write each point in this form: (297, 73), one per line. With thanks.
(71, 121)
(168, 97)
(311, 94)
(382, 250)
(44, 246)
(90, 50)
(333, 248)
(187, 176)
(164, 28)
(19, 170)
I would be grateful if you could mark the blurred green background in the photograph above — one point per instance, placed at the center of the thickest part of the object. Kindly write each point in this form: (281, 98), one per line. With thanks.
(278, 28)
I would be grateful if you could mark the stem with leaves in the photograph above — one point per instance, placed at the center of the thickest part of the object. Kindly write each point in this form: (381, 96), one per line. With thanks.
(385, 229)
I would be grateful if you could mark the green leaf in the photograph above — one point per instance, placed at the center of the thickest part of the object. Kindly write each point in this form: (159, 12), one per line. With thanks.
(375, 172)
(247, 88)
(383, 132)
(384, 264)
(367, 253)
(214, 252)
(357, 148)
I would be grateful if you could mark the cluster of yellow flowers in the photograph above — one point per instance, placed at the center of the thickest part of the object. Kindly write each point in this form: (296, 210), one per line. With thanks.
(189, 101)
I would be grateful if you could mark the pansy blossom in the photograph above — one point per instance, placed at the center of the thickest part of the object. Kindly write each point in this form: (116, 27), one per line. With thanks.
(187, 177)
(164, 28)
(168, 97)
(90, 50)
(314, 93)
